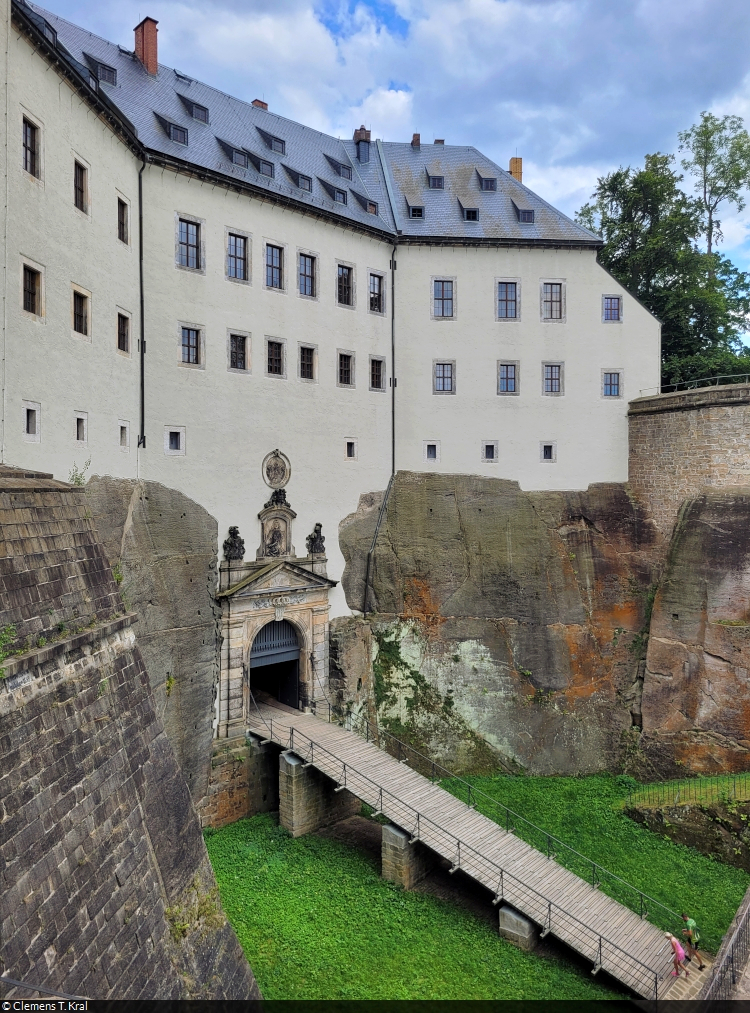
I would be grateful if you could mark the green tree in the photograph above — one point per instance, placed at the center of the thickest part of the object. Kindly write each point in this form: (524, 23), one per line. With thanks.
(718, 157)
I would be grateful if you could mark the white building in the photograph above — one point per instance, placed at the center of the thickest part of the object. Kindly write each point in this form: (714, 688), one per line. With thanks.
(192, 281)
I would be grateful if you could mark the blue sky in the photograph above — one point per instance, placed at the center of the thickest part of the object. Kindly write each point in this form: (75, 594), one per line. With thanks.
(576, 87)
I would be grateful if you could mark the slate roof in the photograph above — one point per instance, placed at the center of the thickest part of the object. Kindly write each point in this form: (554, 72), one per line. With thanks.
(395, 177)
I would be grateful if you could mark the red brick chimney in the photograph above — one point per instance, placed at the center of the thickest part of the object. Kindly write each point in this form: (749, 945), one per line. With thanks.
(361, 135)
(146, 47)
(516, 169)
(439, 140)
(415, 141)
(259, 103)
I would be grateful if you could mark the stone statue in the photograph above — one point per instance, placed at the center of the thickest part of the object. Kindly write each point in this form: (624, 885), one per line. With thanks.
(316, 543)
(278, 498)
(234, 546)
(275, 543)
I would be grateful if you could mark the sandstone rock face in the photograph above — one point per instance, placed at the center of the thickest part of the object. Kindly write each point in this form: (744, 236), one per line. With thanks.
(515, 617)
(696, 692)
(165, 548)
(719, 829)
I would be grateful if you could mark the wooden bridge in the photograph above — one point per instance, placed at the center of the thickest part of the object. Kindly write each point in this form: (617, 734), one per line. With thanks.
(562, 904)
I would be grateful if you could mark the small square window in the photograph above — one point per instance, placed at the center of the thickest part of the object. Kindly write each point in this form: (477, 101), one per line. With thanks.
(431, 451)
(611, 384)
(178, 134)
(191, 346)
(278, 145)
(236, 257)
(526, 216)
(490, 451)
(80, 180)
(107, 74)
(275, 358)
(471, 214)
(238, 351)
(346, 369)
(612, 308)
(32, 289)
(488, 183)
(442, 298)
(339, 196)
(437, 182)
(81, 428)
(444, 378)
(80, 313)
(265, 168)
(306, 362)
(372, 208)
(377, 374)
(175, 441)
(345, 286)
(548, 452)
(307, 275)
(239, 158)
(345, 171)
(200, 113)
(304, 183)
(123, 333)
(416, 212)
(274, 266)
(376, 293)
(189, 244)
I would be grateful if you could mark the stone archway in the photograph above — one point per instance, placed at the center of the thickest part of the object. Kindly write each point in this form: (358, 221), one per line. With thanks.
(273, 662)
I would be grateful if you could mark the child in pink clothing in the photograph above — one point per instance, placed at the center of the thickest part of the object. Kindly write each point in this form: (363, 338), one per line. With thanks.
(679, 955)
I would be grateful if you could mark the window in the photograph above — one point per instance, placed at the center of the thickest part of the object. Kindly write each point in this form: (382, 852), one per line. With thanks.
(376, 293)
(123, 333)
(265, 168)
(191, 346)
(548, 452)
(351, 450)
(377, 374)
(274, 266)
(346, 369)
(31, 416)
(275, 358)
(304, 183)
(189, 245)
(611, 384)
(49, 33)
(490, 451)
(527, 217)
(307, 362)
(552, 301)
(79, 186)
(552, 378)
(488, 183)
(200, 113)
(32, 290)
(32, 421)
(237, 257)
(437, 182)
(443, 298)
(307, 275)
(276, 144)
(339, 196)
(344, 288)
(239, 158)
(81, 428)
(30, 147)
(178, 134)
(372, 208)
(444, 377)
(431, 451)
(174, 441)
(507, 303)
(107, 74)
(80, 313)
(612, 307)
(345, 171)
(124, 436)
(122, 220)
(507, 378)
(471, 215)
(416, 212)
(237, 351)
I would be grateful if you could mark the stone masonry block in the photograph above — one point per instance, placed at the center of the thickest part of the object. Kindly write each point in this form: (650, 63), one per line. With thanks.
(308, 799)
(517, 929)
(402, 862)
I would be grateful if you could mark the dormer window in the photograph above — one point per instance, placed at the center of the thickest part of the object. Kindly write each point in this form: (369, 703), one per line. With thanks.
(339, 196)
(50, 34)
(525, 216)
(345, 171)
(178, 134)
(93, 82)
(272, 142)
(200, 113)
(416, 212)
(372, 208)
(107, 74)
(304, 183)
(471, 215)
(239, 158)
(437, 182)
(489, 183)
(265, 168)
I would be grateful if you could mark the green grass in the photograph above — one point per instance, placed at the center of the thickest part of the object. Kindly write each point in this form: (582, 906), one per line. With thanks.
(585, 813)
(316, 921)
(700, 790)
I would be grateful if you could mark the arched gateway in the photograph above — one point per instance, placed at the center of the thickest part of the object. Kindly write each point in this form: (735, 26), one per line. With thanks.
(274, 662)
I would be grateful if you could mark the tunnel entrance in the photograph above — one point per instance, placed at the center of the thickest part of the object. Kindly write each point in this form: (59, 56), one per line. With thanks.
(274, 662)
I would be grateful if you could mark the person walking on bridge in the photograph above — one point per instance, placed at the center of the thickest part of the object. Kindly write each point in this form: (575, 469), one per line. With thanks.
(678, 954)
(692, 936)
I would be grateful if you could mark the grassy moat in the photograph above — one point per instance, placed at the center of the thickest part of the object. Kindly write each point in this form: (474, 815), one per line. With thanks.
(317, 922)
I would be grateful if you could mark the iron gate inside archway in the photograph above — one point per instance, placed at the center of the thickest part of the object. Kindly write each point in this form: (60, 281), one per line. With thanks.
(274, 662)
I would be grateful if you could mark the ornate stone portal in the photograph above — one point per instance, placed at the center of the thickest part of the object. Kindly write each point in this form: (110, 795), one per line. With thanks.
(277, 586)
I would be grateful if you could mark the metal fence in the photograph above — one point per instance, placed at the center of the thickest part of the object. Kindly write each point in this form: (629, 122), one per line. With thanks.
(700, 790)
(728, 969)
(706, 381)
(646, 981)
(585, 868)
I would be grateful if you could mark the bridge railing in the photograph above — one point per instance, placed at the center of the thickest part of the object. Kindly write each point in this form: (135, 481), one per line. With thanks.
(541, 908)
(615, 886)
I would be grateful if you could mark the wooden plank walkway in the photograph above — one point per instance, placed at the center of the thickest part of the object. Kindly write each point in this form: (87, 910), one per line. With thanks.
(562, 904)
